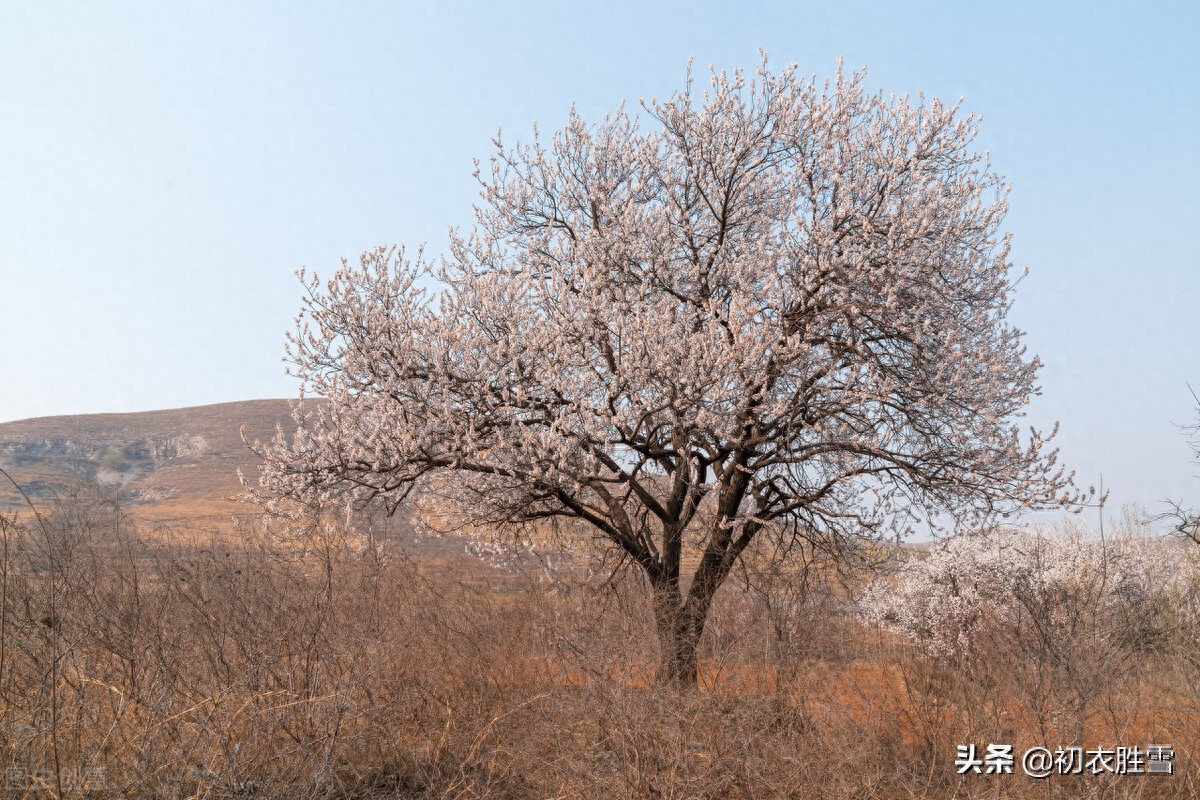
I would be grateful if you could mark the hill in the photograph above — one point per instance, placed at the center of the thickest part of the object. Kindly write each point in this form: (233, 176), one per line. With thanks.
(167, 466)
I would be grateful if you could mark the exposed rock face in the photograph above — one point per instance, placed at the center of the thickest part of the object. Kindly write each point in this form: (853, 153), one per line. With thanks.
(156, 450)
(20, 453)
(148, 457)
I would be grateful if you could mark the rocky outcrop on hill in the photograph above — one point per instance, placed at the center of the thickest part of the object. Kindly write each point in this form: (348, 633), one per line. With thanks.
(147, 457)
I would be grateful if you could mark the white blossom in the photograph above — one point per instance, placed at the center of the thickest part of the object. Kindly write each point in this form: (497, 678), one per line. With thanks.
(783, 300)
(972, 586)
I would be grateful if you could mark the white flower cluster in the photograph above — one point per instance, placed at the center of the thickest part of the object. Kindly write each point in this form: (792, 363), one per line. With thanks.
(782, 299)
(794, 292)
(972, 588)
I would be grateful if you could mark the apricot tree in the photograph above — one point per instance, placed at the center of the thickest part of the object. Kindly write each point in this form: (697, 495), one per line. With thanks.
(781, 301)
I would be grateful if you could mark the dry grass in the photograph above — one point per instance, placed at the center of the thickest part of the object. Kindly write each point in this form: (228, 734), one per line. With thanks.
(175, 665)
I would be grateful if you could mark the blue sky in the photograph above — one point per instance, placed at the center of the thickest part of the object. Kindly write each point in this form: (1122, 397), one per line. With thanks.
(166, 167)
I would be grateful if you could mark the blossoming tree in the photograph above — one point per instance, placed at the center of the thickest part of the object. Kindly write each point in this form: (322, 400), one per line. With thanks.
(1056, 617)
(1037, 595)
(776, 308)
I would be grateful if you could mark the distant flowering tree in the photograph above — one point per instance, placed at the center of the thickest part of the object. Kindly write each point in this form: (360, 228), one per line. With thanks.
(774, 308)
(1060, 618)
(1037, 593)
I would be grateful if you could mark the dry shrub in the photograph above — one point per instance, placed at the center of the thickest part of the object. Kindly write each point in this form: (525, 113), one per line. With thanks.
(184, 665)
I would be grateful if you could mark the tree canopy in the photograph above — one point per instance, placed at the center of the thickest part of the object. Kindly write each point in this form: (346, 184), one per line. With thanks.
(781, 300)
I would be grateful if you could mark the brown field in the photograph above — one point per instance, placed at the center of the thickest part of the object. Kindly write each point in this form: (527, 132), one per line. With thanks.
(188, 667)
(144, 654)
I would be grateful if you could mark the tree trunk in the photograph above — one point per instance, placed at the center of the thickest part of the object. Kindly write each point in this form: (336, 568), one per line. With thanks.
(680, 619)
(680, 625)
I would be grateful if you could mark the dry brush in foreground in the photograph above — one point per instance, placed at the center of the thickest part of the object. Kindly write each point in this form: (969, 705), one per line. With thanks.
(184, 666)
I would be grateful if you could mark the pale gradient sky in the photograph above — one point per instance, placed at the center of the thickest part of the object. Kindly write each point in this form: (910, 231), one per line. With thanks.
(165, 168)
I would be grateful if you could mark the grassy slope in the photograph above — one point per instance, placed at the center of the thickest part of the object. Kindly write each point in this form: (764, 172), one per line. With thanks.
(172, 465)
